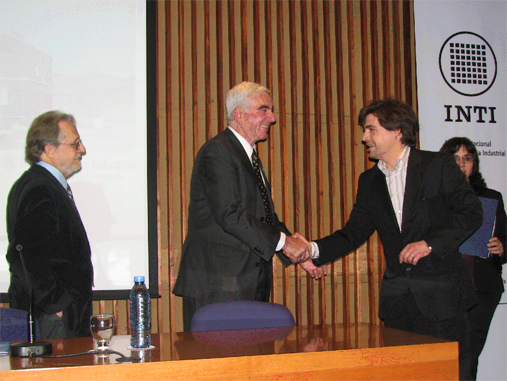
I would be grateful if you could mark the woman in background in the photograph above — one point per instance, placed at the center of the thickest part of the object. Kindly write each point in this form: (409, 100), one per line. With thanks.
(486, 272)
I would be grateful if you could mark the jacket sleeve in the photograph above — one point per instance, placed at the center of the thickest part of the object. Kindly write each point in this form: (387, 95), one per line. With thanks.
(281, 226)
(501, 226)
(358, 228)
(464, 209)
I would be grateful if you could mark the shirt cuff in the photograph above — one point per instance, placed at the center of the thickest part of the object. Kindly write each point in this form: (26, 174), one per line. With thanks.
(315, 250)
(281, 243)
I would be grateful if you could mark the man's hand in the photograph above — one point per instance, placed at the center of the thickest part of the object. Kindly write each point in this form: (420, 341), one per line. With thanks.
(314, 271)
(414, 251)
(296, 249)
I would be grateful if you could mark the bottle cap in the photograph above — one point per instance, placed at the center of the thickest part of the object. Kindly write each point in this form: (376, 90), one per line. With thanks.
(138, 279)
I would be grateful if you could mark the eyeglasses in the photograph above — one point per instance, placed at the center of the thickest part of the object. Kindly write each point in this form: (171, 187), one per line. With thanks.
(465, 158)
(75, 145)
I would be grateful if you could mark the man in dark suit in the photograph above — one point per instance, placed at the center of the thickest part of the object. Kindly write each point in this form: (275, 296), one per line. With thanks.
(233, 230)
(43, 223)
(423, 209)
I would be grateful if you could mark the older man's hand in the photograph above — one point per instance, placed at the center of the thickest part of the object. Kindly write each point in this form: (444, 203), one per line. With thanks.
(296, 249)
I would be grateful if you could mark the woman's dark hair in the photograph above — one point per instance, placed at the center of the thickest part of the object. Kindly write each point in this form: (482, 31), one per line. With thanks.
(452, 146)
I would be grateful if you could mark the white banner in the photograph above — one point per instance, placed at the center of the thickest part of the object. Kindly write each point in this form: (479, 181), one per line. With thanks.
(461, 79)
(462, 91)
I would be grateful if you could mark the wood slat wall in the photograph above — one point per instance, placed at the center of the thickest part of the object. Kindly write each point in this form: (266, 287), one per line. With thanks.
(323, 60)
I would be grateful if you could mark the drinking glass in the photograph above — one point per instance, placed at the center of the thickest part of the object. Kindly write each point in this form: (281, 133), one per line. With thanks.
(102, 327)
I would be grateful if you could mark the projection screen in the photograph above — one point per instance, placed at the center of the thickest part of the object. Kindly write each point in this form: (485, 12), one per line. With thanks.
(87, 58)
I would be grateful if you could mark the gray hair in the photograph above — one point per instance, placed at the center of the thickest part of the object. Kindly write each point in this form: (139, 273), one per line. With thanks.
(44, 131)
(239, 96)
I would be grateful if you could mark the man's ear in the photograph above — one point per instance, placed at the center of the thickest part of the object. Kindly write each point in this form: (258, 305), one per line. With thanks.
(49, 150)
(237, 114)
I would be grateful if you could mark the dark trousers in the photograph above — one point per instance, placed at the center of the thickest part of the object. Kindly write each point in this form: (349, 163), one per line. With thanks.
(456, 328)
(480, 320)
(52, 327)
(264, 281)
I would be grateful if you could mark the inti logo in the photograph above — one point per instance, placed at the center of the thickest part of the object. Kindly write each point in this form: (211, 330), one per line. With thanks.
(468, 64)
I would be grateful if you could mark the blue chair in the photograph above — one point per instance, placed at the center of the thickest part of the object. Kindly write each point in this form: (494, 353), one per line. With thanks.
(242, 314)
(13, 325)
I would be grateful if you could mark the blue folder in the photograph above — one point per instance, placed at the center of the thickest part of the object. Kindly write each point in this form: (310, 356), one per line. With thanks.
(477, 243)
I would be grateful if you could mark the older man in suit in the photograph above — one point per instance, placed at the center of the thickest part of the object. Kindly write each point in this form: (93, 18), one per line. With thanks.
(423, 209)
(233, 231)
(43, 223)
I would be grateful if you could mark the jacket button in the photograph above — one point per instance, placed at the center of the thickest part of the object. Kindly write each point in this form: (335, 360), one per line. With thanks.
(257, 264)
(262, 219)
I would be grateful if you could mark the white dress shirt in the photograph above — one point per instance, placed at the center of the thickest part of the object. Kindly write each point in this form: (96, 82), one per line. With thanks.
(396, 181)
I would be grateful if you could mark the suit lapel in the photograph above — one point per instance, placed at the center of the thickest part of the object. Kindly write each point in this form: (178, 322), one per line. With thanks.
(245, 160)
(240, 153)
(69, 204)
(247, 164)
(413, 182)
(383, 197)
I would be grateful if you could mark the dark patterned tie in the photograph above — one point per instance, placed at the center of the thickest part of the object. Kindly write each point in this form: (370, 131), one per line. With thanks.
(265, 198)
(69, 193)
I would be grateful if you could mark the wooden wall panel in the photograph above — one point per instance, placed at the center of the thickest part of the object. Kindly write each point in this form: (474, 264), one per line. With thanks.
(323, 61)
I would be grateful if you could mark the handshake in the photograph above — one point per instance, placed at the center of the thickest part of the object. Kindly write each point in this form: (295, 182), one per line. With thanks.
(299, 250)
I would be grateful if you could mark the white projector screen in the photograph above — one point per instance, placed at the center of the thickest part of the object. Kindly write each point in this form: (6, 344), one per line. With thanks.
(87, 58)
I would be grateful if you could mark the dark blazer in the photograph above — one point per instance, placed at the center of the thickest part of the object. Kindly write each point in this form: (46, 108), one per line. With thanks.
(439, 207)
(228, 243)
(487, 271)
(44, 221)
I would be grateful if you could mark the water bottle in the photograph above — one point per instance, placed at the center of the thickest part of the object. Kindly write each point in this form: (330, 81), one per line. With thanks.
(140, 319)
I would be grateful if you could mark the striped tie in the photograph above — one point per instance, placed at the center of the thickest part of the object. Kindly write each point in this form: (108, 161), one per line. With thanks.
(264, 193)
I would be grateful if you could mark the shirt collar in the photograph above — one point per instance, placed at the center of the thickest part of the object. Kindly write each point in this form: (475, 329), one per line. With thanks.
(55, 172)
(246, 146)
(400, 164)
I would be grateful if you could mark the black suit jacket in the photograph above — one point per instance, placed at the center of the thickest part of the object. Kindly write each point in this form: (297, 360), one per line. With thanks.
(487, 271)
(44, 221)
(439, 207)
(227, 244)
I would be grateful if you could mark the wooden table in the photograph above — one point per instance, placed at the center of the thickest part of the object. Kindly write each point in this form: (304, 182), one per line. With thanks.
(292, 353)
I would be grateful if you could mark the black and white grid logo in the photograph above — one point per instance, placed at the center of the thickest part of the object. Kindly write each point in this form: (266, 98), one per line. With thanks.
(468, 64)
